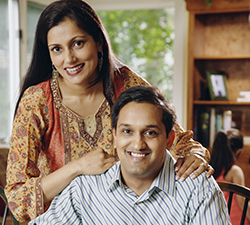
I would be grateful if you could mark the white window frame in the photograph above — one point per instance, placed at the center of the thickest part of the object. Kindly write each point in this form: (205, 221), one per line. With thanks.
(14, 52)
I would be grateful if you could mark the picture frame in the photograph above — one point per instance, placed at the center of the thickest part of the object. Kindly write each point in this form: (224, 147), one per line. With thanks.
(217, 84)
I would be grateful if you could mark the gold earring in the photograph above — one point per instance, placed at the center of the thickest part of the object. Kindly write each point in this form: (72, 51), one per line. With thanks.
(55, 73)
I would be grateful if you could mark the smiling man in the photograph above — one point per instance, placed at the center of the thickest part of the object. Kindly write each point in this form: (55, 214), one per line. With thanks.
(141, 188)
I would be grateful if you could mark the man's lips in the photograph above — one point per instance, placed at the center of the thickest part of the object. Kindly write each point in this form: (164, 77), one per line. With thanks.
(138, 154)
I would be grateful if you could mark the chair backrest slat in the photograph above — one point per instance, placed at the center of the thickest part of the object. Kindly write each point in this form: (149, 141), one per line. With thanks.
(244, 212)
(229, 202)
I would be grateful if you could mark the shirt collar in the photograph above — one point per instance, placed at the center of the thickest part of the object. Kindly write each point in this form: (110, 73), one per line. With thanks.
(165, 180)
(115, 179)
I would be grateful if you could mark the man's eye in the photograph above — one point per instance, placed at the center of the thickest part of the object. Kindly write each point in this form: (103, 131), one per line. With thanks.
(126, 131)
(150, 133)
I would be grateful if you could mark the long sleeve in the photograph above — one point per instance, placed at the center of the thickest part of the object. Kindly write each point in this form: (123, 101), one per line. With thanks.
(63, 210)
(184, 144)
(23, 188)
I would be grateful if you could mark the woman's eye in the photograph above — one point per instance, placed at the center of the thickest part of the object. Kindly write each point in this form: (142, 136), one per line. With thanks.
(78, 43)
(55, 49)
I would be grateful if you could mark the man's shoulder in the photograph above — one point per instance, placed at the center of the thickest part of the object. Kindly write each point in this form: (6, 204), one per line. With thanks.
(199, 186)
(94, 181)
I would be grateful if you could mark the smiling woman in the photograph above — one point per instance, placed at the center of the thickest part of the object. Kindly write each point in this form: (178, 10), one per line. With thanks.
(74, 52)
(62, 126)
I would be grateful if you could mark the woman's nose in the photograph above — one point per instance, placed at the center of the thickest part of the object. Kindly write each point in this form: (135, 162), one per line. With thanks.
(69, 56)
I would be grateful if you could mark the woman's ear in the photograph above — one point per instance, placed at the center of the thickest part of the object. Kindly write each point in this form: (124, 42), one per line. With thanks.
(99, 47)
(100, 44)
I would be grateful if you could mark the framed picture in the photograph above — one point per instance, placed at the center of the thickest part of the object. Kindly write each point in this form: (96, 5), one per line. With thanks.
(217, 84)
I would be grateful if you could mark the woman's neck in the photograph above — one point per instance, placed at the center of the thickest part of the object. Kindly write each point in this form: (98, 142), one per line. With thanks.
(84, 101)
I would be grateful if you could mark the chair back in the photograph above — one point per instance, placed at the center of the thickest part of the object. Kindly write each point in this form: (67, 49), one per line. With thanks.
(238, 190)
(14, 221)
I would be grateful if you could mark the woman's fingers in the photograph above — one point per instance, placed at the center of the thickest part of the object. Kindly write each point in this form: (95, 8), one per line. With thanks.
(191, 164)
(210, 171)
(96, 162)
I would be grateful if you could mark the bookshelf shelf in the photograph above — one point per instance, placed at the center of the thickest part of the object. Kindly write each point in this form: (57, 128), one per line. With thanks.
(226, 103)
(219, 40)
(228, 57)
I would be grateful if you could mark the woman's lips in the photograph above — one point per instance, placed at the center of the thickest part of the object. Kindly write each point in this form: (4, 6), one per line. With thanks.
(74, 70)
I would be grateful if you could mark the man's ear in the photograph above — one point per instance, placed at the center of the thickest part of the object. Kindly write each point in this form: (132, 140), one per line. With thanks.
(114, 137)
(170, 139)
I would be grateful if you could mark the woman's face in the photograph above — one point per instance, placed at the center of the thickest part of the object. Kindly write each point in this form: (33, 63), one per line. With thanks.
(73, 52)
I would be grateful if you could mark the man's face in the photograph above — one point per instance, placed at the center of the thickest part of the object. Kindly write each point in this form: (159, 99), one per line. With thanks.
(141, 140)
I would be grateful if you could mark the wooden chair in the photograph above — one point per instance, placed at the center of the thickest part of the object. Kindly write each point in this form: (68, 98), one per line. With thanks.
(14, 221)
(238, 190)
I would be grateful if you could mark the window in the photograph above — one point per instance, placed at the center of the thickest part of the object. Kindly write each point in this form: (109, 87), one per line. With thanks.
(9, 64)
(143, 40)
(9, 58)
(4, 70)
(33, 12)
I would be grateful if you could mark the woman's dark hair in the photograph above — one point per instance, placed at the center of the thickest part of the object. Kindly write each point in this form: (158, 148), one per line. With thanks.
(40, 68)
(225, 146)
(146, 94)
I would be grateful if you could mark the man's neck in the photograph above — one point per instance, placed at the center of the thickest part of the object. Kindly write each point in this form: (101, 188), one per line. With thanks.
(138, 184)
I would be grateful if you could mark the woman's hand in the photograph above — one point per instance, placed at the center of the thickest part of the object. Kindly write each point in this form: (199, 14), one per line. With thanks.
(192, 163)
(95, 162)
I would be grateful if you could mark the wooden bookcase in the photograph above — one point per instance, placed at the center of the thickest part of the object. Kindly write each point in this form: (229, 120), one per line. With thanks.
(219, 40)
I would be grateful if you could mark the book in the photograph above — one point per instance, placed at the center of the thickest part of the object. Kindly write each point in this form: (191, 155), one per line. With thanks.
(212, 129)
(237, 119)
(245, 94)
(243, 99)
(219, 122)
(195, 124)
(204, 128)
(227, 119)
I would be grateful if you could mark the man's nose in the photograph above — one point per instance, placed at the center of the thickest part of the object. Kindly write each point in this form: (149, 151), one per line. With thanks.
(138, 142)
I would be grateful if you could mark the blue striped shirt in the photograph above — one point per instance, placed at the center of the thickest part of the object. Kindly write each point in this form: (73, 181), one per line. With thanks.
(103, 199)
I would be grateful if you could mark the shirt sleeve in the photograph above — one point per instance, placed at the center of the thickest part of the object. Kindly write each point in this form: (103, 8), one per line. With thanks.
(23, 178)
(208, 205)
(64, 209)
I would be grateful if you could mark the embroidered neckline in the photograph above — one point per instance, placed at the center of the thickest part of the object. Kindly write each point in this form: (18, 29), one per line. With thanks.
(64, 109)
